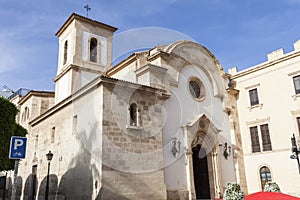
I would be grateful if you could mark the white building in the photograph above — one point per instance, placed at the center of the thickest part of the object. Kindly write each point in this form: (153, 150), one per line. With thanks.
(161, 124)
(155, 126)
(268, 105)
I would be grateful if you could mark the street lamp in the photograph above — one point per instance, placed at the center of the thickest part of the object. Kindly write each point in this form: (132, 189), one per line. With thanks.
(49, 156)
(295, 151)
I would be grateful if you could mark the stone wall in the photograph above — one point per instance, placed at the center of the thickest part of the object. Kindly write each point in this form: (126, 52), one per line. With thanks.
(132, 155)
(178, 194)
(74, 172)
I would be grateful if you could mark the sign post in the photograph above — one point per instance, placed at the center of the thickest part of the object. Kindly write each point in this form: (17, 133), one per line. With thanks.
(17, 151)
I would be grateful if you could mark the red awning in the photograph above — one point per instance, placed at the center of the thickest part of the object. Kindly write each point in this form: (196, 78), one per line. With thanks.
(270, 196)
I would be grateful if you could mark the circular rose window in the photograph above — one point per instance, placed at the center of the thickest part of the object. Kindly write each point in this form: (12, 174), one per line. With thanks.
(196, 89)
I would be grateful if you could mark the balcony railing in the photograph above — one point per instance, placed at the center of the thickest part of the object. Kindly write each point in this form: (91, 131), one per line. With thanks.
(21, 91)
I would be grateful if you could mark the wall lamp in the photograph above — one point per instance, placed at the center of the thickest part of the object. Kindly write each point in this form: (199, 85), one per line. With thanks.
(176, 147)
(226, 150)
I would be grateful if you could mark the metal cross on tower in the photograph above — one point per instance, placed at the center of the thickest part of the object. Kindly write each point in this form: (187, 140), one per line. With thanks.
(88, 8)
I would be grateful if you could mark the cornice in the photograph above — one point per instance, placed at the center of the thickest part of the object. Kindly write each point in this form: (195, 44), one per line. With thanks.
(265, 65)
(71, 66)
(36, 93)
(162, 94)
(121, 65)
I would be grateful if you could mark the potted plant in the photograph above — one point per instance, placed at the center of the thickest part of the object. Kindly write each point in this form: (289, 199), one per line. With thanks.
(233, 192)
(271, 187)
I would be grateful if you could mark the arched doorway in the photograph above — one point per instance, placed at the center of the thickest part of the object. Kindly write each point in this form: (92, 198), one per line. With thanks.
(201, 176)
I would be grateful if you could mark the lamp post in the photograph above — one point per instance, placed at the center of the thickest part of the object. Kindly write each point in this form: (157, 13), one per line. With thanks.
(49, 156)
(295, 151)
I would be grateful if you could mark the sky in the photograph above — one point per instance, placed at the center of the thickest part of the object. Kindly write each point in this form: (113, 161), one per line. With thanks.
(239, 33)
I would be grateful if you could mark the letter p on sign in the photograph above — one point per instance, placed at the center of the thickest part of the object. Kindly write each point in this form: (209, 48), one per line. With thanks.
(18, 143)
(17, 148)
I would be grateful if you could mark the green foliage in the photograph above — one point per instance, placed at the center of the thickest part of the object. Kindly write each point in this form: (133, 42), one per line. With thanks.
(233, 192)
(20, 131)
(8, 128)
(271, 187)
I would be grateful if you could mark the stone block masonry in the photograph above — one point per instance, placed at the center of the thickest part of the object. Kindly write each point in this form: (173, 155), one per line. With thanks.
(132, 166)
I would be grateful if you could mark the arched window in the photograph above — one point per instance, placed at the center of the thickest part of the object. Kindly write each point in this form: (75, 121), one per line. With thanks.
(65, 52)
(93, 50)
(25, 114)
(133, 114)
(265, 176)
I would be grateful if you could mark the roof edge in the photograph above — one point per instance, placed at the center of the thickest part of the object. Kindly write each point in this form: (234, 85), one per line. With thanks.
(36, 93)
(264, 65)
(85, 19)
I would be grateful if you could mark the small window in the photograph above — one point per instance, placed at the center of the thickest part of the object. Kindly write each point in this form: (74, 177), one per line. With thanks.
(298, 122)
(36, 142)
(74, 125)
(25, 114)
(265, 135)
(196, 89)
(65, 52)
(253, 97)
(93, 50)
(265, 176)
(254, 139)
(297, 84)
(133, 114)
(53, 135)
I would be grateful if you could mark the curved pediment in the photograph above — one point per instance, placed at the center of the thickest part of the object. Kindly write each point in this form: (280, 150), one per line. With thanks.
(190, 53)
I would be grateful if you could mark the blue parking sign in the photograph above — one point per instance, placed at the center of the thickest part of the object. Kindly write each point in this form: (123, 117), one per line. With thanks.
(17, 148)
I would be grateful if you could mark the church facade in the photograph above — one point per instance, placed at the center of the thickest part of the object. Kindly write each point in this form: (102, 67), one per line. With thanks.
(164, 123)
(161, 124)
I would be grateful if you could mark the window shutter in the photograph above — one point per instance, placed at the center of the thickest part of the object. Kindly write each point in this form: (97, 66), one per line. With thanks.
(253, 97)
(297, 84)
(267, 146)
(254, 139)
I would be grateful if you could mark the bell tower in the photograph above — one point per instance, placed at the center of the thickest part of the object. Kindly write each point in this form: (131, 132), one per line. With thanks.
(85, 50)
